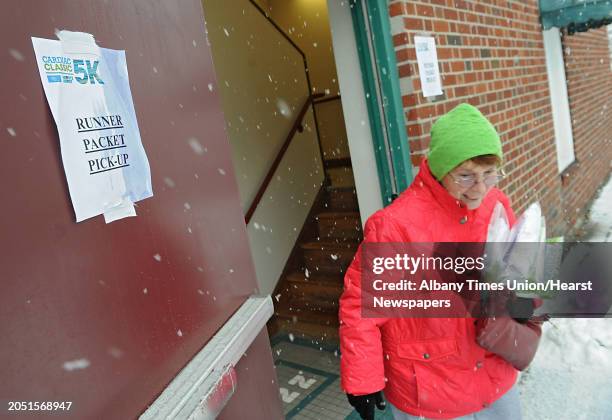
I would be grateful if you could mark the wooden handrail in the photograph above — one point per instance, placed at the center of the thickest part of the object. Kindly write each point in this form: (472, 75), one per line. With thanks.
(327, 99)
(297, 126)
(278, 28)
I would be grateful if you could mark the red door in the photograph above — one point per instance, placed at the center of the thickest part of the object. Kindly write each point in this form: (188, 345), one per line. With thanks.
(105, 316)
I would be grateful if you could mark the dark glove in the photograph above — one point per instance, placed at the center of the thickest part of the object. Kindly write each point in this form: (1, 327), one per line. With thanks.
(506, 303)
(522, 309)
(364, 404)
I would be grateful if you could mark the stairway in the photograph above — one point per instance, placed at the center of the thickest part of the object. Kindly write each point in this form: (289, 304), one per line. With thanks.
(307, 295)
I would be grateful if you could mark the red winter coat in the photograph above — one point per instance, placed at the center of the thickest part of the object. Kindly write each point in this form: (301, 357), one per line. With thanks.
(457, 376)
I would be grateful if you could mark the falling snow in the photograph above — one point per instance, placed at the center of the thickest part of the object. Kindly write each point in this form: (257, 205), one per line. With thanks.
(17, 55)
(115, 352)
(77, 364)
(169, 182)
(283, 108)
(196, 146)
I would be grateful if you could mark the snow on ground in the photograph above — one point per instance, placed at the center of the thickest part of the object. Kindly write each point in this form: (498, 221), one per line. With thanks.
(571, 376)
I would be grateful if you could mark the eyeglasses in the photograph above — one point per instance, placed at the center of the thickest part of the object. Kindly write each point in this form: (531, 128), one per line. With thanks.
(468, 181)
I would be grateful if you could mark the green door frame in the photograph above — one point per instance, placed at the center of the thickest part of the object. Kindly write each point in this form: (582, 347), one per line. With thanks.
(383, 96)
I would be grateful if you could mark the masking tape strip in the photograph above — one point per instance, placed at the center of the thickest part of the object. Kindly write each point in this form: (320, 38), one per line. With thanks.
(124, 209)
(78, 43)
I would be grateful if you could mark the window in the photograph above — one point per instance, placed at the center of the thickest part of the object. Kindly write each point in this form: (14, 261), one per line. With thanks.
(610, 43)
(562, 119)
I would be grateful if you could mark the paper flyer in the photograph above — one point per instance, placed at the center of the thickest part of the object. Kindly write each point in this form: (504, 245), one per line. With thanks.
(88, 91)
(429, 71)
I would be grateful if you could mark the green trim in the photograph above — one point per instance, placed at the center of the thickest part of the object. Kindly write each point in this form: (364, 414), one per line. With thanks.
(392, 102)
(399, 170)
(369, 85)
(566, 13)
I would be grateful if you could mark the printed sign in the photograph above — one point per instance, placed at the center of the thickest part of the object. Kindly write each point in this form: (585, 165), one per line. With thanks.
(427, 59)
(88, 91)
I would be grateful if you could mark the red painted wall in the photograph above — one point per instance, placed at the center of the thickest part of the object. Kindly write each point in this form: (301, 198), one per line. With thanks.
(93, 291)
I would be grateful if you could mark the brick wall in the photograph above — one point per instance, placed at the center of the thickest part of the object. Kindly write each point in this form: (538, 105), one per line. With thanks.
(589, 86)
(491, 55)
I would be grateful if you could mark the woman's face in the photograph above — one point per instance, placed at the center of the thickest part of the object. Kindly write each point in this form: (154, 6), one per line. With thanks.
(470, 182)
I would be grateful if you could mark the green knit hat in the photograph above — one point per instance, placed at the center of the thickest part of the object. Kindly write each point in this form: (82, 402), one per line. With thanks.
(459, 135)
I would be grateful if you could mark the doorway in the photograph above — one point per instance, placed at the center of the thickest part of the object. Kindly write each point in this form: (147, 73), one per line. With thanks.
(297, 179)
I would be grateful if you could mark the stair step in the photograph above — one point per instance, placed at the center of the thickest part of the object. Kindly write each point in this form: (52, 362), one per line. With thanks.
(319, 334)
(341, 177)
(316, 292)
(288, 314)
(299, 277)
(307, 323)
(307, 304)
(322, 327)
(337, 162)
(342, 225)
(336, 244)
(342, 199)
(323, 295)
(328, 257)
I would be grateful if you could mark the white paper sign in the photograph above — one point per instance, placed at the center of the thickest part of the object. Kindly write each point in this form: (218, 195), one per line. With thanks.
(429, 72)
(88, 91)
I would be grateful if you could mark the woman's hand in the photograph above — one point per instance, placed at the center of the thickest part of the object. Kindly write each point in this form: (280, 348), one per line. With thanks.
(364, 404)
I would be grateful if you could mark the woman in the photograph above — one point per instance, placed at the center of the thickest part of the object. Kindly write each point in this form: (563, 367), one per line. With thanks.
(432, 367)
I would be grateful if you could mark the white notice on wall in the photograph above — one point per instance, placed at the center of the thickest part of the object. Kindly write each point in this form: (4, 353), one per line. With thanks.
(88, 91)
(427, 58)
